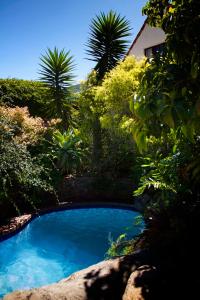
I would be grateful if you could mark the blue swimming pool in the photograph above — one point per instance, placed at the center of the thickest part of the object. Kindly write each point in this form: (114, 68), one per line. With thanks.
(57, 244)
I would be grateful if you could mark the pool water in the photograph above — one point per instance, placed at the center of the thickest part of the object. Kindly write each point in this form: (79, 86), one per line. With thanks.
(57, 244)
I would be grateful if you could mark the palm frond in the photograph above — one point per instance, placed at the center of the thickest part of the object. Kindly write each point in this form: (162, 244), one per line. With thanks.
(57, 74)
(107, 43)
(57, 68)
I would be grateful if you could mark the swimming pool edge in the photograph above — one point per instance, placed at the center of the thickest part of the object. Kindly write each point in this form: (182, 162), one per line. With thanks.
(62, 206)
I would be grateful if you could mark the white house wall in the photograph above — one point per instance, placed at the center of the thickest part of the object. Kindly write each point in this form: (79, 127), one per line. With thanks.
(150, 36)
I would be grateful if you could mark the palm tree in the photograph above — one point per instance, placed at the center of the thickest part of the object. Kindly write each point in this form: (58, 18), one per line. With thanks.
(106, 45)
(56, 74)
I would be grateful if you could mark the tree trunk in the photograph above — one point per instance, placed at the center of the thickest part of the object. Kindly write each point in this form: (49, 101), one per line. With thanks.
(65, 120)
(97, 145)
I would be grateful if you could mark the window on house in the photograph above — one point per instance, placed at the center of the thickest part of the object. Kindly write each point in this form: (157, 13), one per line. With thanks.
(153, 51)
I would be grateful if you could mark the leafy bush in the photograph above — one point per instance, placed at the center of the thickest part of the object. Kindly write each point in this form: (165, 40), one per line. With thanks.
(17, 92)
(28, 130)
(119, 154)
(22, 178)
(26, 169)
(168, 95)
(166, 129)
(69, 151)
(119, 86)
(168, 167)
(109, 103)
(166, 103)
(121, 246)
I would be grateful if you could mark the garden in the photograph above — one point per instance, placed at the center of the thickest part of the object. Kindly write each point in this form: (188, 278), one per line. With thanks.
(132, 127)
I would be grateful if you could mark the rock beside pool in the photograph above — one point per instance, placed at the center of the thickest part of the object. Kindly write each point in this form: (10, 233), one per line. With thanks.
(14, 224)
(105, 280)
(139, 284)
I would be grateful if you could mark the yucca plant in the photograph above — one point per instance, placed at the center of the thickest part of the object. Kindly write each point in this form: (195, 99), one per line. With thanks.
(107, 43)
(57, 74)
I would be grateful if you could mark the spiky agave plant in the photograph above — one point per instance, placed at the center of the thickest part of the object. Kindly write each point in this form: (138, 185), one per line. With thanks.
(57, 74)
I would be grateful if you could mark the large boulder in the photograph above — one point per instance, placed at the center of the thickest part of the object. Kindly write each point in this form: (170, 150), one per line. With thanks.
(140, 284)
(106, 280)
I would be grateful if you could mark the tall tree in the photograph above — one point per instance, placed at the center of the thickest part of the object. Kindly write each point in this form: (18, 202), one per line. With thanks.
(106, 45)
(57, 73)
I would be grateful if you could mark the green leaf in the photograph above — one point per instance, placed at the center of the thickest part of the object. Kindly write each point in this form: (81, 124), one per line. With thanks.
(184, 91)
(168, 118)
(195, 70)
(188, 131)
(143, 112)
(174, 149)
(141, 141)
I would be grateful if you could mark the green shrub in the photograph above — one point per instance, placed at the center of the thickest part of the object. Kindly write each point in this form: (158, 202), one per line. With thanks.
(22, 178)
(121, 246)
(26, 170)
(17, 92)
(69, 151)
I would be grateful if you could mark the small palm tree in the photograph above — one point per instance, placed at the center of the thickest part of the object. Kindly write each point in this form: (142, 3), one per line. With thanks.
(57, 74)
(107, 43)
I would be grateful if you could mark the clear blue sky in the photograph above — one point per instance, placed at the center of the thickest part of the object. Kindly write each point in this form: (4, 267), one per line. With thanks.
(28, 27)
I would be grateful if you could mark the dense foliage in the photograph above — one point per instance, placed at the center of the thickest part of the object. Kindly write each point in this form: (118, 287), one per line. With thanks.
(69, 151)
(166, 128)
(170, 87)
(23, 177)
(110, 102)
(17, 92)
(165, 112)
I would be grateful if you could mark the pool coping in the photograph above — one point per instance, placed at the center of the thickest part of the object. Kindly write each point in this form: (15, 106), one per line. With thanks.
(26, 219)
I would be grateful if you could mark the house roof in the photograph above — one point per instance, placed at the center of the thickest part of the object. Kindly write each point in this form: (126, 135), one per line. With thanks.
(137, 37)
